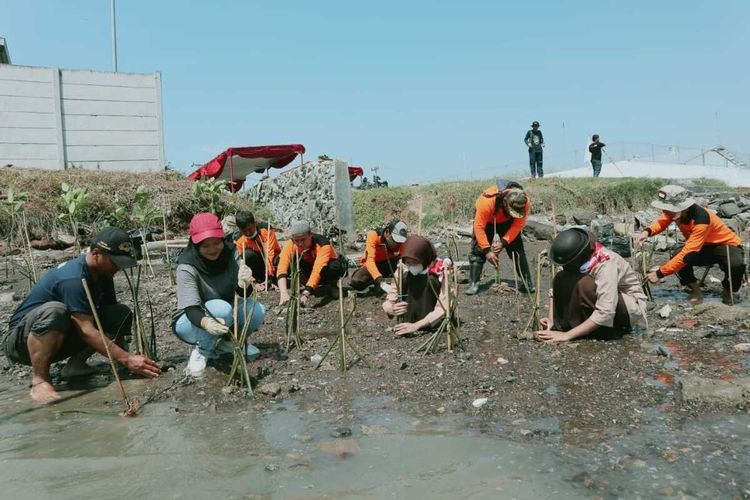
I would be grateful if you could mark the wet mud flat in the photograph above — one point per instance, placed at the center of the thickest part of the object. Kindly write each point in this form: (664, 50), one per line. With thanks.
(612, 416)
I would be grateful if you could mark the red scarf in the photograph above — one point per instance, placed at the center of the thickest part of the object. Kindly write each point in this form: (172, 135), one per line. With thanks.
(600, 255)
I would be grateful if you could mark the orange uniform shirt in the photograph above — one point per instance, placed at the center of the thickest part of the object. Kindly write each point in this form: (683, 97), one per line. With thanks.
(258, 244)
(485, 214)
(318, 256)
(377, 251)
(700, 226)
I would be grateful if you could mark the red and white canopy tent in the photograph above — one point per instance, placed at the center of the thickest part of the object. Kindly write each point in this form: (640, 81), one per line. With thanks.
(235, 164)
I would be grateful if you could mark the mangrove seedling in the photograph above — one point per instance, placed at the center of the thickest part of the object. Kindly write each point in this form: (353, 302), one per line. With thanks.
(74, 202)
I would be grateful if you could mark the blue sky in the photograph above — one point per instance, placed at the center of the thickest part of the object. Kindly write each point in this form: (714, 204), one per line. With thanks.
(426, 90)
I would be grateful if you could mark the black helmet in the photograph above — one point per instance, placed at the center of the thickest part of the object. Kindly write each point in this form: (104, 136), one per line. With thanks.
(569, 246)
(535, 124)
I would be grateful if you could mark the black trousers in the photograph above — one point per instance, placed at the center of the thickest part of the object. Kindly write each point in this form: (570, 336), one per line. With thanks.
(515, 247)
(330, 274)
(257, 264)
(361, 278)
(710, 255)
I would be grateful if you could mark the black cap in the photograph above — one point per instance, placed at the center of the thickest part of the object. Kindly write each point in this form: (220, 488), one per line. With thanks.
(535, 124)
(117, 244)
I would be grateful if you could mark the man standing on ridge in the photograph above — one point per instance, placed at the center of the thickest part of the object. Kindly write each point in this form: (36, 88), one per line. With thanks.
(535, 142)
(501, 209)
(595, 148)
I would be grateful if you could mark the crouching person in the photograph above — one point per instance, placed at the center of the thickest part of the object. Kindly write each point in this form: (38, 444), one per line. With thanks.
(318, 264)
(423, 284)
(209, 275)
(596, 291)
(55, 321)
(382, 251)
(258, 245)
(708, 241)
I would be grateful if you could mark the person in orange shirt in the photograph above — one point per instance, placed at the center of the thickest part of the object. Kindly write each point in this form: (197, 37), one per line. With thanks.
(258, 243)
(318, 263)
(382, 252)
(708, 241)
(501, 209)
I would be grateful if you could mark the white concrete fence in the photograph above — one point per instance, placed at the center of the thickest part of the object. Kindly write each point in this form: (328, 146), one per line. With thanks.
(52, 118)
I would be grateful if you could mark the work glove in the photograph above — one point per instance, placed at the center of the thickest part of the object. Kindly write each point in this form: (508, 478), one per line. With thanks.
(214, 326)
(387, 288)
(245, 277)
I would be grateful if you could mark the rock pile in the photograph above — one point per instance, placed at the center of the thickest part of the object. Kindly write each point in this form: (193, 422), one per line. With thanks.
(307, 192)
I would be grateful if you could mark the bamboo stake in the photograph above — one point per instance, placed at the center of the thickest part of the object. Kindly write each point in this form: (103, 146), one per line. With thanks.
(144, 249)
(268, 237)
(729, 275)
(131, 407)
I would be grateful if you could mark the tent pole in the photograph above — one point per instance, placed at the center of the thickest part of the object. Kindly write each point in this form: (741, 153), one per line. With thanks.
(231, 171)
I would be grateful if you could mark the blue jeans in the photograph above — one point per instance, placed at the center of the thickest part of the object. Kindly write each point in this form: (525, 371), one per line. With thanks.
(597, 166)
(535, 163)
(220, 309)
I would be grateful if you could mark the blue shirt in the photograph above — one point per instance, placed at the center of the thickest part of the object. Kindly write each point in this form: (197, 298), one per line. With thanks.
(63, 284)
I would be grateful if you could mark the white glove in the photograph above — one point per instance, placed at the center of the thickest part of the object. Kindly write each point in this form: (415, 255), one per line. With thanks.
(214, 326)
(245, 277)
(387, 288)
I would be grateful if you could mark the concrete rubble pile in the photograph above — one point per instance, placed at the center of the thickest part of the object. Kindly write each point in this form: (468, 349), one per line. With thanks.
(307, 192)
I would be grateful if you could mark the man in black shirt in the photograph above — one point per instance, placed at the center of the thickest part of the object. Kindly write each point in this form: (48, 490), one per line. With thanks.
(595, 148)
(55, 321)
(535, 142)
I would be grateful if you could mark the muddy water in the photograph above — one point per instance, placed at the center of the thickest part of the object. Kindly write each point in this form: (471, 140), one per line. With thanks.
(298, 448)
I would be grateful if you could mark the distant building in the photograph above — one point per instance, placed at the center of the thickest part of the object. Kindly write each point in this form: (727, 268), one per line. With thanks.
(55, 118)
(4, 55)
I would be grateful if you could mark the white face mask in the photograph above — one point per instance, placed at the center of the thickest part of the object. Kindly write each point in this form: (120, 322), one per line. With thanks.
(252, 236)
(415, 269)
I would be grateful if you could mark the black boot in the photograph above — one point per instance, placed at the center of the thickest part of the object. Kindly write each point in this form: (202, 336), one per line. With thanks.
(475, 274)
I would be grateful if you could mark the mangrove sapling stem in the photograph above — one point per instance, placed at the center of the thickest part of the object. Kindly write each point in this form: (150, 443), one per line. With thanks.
(131, 408)
(293, 307)
(398, 280)
(167, 259)
(134, 283)
(28, 246)
(152, 337)
(449, 323)
(729, 275)
(644, 272)
(341, 339)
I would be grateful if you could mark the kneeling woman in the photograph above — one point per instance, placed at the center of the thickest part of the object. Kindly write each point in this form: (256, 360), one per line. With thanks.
(423, 288)
(596, 291)
(209, 275)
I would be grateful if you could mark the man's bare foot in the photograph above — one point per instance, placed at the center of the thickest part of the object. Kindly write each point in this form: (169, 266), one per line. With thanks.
(43, 392)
